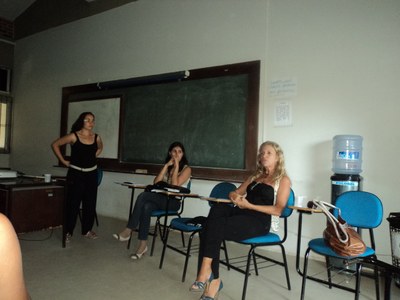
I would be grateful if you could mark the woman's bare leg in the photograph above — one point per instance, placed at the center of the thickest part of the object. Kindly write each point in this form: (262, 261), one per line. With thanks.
(125, 233)
(205, 271)
(141, 247)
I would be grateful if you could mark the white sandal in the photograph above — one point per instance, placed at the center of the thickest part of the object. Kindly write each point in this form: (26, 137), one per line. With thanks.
(91, 235)
(120, 237)
(137, 256)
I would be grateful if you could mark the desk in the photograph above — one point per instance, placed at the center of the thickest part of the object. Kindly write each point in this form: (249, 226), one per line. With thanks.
(32, 204)
(301, 211)
(133, 186)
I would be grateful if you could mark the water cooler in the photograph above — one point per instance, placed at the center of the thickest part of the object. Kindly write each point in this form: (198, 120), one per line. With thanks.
(346, 165)
(341, 183)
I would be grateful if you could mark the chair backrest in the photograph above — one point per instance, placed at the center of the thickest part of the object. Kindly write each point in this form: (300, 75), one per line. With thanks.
(360, 209)
(288, 211)
(222, 190)
(182, 199)
(99, 176)
(189, 184)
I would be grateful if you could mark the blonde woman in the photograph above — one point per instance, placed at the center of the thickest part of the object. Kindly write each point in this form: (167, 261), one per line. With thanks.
(261, 196)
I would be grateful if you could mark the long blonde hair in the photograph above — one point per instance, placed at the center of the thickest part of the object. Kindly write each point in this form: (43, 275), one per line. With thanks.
(280, 170)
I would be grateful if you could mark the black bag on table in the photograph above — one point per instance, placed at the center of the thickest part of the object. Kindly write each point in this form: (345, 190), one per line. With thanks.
(162, 185)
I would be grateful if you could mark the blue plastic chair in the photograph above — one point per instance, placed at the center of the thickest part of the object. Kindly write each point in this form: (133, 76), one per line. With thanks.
(157, 228)
(221, 190)
(162, 213)
(359, 209)
(269, 239)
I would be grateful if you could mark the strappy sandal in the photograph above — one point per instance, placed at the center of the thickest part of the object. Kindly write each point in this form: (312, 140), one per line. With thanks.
(68, 237)
(120, 238)
(91, 235)
(137, 256)
(197, 286)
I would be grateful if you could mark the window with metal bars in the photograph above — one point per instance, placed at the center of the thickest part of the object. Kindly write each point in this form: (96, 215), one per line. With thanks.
(5, 123)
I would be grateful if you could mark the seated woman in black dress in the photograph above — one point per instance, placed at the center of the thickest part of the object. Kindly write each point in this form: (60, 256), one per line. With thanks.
(262, 197)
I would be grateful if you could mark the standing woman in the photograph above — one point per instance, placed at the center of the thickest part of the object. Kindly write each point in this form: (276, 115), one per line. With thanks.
(82, 173)
(175, 171)
(262, 196)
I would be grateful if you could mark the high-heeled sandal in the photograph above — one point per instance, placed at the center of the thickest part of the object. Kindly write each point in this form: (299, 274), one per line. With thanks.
(198, 286)
(137, 256)
(120, 237)
(204, 297)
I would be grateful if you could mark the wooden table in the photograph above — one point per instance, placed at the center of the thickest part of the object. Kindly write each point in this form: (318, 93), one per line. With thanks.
(31, 204)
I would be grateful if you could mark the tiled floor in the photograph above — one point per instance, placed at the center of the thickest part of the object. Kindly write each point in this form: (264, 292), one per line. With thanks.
(102, 269)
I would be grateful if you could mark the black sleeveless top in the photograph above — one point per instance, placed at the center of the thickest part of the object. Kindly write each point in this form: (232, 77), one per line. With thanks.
(82, 155)
(259, 193)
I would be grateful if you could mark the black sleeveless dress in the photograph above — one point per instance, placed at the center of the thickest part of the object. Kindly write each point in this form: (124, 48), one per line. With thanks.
(226, 222)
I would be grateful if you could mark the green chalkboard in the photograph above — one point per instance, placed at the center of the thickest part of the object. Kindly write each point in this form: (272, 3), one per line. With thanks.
(212, 111)
(208, 116)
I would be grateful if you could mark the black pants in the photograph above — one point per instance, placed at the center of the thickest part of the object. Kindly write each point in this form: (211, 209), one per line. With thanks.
(81, 188)
(225, 222)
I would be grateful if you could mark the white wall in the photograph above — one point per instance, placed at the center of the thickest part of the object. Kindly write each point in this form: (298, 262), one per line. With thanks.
(343, 54)
(4, 160)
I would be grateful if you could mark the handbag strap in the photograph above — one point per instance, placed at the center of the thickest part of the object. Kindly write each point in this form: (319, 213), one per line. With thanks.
(332, 219)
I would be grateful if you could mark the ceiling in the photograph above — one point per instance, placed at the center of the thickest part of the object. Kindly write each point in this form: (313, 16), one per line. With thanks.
(11, 9)
(32, 16)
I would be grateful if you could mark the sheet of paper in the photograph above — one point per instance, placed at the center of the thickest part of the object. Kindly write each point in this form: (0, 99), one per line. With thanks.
(283, 88)
(283, 113)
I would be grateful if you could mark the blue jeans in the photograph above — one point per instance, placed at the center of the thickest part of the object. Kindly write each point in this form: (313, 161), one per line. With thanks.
(145, 204)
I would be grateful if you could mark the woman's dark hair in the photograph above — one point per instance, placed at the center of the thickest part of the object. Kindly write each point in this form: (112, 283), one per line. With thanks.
(183, 161)
(78, 124)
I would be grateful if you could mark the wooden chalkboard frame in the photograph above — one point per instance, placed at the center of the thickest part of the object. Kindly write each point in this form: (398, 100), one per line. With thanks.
(115, 89)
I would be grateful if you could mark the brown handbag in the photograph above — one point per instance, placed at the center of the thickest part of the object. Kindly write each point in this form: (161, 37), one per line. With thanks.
(342, 238)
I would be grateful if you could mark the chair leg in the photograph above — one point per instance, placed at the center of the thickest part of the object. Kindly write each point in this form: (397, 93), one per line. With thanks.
(376, 277)
(286, 266)
(164, 248)
(328, 270)
(255, 262)
(246, 275)
(226, 254)
(183, 239)
(129, 241)
(154, 237)
(358, 280)
(303, 284)
(189, 247)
